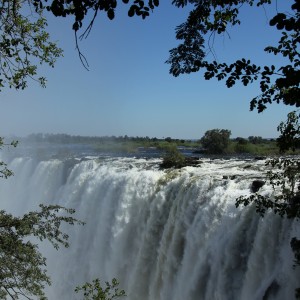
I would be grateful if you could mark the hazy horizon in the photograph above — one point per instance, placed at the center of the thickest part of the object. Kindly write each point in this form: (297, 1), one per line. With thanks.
(122, 136)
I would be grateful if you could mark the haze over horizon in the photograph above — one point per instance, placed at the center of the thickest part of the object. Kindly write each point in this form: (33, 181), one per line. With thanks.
(128, 89)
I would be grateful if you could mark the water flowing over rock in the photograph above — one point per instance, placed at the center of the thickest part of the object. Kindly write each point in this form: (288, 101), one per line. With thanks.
(166, 235)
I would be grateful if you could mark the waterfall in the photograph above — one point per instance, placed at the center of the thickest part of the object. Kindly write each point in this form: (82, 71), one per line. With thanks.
(165, 235)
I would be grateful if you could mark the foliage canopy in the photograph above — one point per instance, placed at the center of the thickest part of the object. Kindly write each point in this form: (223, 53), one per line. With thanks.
(24, 44)
(213, 17)
(173, 158)
(206, 19)
(94, 290)
(22, 266)
(216, 141)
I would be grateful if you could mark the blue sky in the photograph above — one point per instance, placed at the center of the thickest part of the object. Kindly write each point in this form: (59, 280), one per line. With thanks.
(128, 89)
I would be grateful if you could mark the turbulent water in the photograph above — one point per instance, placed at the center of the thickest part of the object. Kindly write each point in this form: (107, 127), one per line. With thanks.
(166, 235)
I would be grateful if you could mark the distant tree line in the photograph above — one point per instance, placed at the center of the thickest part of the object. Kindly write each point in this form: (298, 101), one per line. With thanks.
(214, 141)
(218, 141)
(63, 138)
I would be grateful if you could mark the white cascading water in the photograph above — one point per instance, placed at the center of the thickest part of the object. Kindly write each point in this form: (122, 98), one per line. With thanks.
(165, 235)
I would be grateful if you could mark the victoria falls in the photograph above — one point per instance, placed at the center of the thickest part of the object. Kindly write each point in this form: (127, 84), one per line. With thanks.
(165, 234)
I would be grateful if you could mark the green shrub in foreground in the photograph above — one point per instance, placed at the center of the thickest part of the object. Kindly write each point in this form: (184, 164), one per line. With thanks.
(173, 158)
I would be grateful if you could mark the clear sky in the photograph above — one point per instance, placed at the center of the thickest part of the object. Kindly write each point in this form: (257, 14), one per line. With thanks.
(128, 89)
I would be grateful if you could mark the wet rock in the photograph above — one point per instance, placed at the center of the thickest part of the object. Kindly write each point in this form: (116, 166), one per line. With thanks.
(192, 161)
(247, 167)
(180, 162)
(256, 185)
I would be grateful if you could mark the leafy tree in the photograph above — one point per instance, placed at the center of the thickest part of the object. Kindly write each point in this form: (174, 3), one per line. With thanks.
(208, 18)
(241, 145)
(216, 141)
(4, 171)
(241, 141)
(24, 44)
(173, 158)
(283, 176)
(168, 139)
(94, 290)
(290, 132)
(255, 139)
(22, 266)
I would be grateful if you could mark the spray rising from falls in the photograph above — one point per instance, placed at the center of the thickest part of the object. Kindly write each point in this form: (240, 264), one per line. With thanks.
(166, 235)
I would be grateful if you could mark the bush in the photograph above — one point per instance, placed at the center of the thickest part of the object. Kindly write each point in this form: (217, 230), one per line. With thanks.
(173, 159)
(95, 291)
(216, 141)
